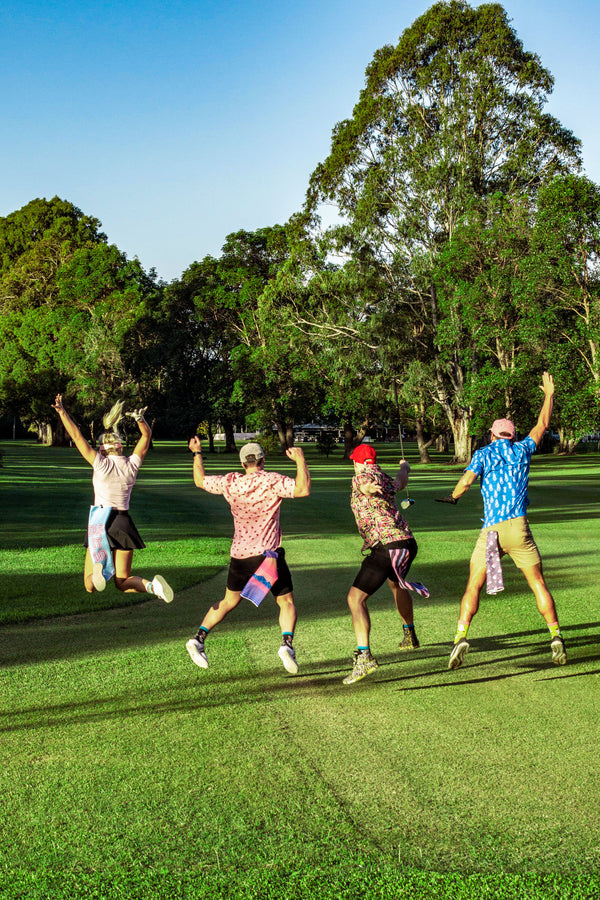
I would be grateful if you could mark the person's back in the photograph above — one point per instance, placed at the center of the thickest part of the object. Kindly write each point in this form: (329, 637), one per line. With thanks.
(254, 498)
(503, 467)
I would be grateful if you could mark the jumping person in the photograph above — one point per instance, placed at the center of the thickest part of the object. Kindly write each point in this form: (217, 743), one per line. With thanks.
(255, 498)
(503, 466)
(113, 480)
(392, 549)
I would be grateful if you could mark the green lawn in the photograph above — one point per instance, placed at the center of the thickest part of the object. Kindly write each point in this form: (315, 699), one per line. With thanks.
(129, 773)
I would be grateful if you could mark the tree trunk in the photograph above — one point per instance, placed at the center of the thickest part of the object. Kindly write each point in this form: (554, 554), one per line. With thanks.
(462, 438)
(442, 442)
(349, 436)
(44, 433)
(229, 437)
(566, 444)
(422, 444)
(211, 439)
(285, 432)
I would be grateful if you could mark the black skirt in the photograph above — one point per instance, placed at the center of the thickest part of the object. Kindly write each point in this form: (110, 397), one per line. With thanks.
(121, 531)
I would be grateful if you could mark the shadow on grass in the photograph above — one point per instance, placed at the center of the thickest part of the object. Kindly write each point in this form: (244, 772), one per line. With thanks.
(535, 659)
(210, 689)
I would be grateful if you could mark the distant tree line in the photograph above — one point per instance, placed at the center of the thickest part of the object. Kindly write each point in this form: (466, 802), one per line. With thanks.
(464, 261)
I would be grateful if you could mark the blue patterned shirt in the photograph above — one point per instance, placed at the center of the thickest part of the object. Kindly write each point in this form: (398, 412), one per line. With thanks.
(504, 471)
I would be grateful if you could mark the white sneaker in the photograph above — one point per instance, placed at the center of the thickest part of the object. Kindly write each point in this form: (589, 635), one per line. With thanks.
(287, 655)
(162, 589)
(98, 577)
(197, 653)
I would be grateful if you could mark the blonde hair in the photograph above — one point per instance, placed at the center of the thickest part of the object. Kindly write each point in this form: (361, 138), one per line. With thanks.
(110, 439)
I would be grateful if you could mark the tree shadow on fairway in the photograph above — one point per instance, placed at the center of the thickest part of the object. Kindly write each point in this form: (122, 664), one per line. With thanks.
(498, 652)
(174, 697)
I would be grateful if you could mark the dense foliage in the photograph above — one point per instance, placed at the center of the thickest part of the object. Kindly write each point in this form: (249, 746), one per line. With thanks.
(464, 261)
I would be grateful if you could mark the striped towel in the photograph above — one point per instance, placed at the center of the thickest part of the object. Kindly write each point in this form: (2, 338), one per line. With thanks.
(258, 585)
(400, 562)
(494, 582)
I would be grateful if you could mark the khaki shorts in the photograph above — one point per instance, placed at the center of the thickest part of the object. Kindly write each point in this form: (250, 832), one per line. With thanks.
(514, 538)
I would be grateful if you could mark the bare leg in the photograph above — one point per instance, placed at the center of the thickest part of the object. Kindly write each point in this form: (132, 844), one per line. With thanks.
(220, 609)
(543, 597)
(124, 580)
(403, 601)
(361, 621)
(470, 601)
(88, 567)
(287, 613)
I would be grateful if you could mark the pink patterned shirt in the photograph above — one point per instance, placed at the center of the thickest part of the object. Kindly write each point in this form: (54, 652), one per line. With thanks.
(377, 517)
(254, 499)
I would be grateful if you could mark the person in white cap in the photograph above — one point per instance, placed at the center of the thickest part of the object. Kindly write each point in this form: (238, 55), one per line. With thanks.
(254, 496)
(503, 466)
(113, 480)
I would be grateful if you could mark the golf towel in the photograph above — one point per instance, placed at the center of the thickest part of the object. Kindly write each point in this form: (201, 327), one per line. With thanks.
(258, 585)
(98, 540)
(400, 560)
(494, 582)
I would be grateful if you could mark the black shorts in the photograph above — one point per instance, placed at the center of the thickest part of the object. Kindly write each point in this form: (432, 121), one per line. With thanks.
(240, 570)
(121, 531)
(377, 566)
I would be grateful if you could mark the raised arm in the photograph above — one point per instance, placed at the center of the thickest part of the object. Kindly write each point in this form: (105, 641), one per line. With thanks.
(88, 453)
(539, 429)
(195, 445)
(143, 444)
(302, 488)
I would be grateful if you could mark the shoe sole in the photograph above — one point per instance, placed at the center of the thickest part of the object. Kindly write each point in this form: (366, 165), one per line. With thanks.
(408, 646)
(97, 577)
(559, 655)
(165, 588)
(289, 663)
(351, 679)
(457, 660)
(195, 656)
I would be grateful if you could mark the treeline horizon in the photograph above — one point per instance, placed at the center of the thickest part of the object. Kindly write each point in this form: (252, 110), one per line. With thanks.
(464, 263)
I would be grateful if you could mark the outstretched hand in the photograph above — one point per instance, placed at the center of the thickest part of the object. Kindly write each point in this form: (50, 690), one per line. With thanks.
(58, 404)
(448, 499)
(547, 385)
(137, 414)
(195, 444)
(294, 453)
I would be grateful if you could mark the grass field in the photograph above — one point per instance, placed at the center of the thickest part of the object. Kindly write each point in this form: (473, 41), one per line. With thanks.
(126, 772)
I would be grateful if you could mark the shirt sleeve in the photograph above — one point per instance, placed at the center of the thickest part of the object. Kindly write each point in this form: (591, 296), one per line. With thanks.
(283, 485)
(476, 464)
(135, 462)
(214, 484)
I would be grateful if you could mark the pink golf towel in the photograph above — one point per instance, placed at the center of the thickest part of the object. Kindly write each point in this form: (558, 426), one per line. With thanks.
(258, 585)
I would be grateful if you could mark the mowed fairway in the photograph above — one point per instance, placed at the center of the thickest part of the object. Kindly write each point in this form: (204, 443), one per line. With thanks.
(127, 772)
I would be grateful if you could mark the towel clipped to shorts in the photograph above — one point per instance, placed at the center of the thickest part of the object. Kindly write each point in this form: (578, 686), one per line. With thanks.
(258, 585)
(400, 561)
(98, 540)
(494, 582)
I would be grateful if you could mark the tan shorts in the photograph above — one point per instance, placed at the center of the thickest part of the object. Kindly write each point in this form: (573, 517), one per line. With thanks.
(514, 538)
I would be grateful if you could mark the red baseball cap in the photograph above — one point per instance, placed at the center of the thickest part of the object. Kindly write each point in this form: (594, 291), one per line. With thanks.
(503, 428)
(364, 453)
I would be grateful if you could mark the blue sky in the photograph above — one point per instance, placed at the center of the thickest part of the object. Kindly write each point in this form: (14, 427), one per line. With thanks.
(176, 123)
